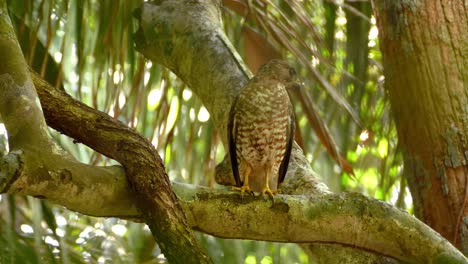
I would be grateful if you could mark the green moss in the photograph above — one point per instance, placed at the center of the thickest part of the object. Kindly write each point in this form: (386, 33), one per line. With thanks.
(280, 207)
(353, 204)
(329, 205)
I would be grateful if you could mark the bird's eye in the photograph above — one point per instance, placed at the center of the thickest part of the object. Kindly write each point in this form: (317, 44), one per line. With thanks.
(292, 72)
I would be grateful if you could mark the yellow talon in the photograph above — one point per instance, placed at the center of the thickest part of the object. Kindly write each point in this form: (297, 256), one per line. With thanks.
(243, 189)
(266, 190)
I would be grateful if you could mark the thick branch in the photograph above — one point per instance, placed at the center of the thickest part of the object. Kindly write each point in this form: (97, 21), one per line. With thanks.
(349, 219)
(114, 139)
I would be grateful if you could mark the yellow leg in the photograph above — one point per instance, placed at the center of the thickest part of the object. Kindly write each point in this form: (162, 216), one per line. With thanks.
(267, 189)
(245, 187)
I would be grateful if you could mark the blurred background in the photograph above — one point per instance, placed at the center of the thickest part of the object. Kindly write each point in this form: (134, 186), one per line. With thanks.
(87, 48)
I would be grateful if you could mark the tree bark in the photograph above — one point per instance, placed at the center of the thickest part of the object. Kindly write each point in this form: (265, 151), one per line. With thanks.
(425, 54)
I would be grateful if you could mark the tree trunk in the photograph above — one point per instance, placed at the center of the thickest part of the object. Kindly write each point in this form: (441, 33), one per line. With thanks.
(425, 53)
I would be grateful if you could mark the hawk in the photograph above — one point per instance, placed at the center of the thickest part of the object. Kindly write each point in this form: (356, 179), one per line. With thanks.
(261, 130)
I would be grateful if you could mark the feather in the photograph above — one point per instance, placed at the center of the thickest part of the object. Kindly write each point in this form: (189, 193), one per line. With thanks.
(232, 133)
(287, 154)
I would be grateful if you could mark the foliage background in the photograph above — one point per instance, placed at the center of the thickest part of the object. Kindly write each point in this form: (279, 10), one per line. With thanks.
(87, 48)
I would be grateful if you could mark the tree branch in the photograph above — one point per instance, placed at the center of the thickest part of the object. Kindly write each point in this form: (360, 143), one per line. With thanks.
(349, 219)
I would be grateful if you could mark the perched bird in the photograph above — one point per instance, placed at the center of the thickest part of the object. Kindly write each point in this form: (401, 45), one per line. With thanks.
(261, 130)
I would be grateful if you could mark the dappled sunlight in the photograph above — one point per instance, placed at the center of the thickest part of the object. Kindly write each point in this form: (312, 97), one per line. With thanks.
(154, 98)
(187, 94)
(203, 115)
(364, 136)
(27, 229)
(119, 230)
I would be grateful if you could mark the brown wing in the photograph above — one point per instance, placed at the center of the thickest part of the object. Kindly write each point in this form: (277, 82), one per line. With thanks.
(290, 138)
(232, 133)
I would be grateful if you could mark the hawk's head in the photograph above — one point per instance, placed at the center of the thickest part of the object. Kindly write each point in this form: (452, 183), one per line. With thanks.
(279, 70)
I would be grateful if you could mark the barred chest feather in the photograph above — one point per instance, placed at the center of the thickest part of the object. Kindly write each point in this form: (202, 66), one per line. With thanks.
(262, 120)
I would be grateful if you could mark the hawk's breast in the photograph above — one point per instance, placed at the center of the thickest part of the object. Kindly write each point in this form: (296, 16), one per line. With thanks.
(262, 123)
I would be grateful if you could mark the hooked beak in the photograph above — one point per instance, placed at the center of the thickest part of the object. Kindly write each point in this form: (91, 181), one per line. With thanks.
(294, 84)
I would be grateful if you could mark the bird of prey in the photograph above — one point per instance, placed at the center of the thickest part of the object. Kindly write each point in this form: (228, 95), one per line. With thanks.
(261, 130)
